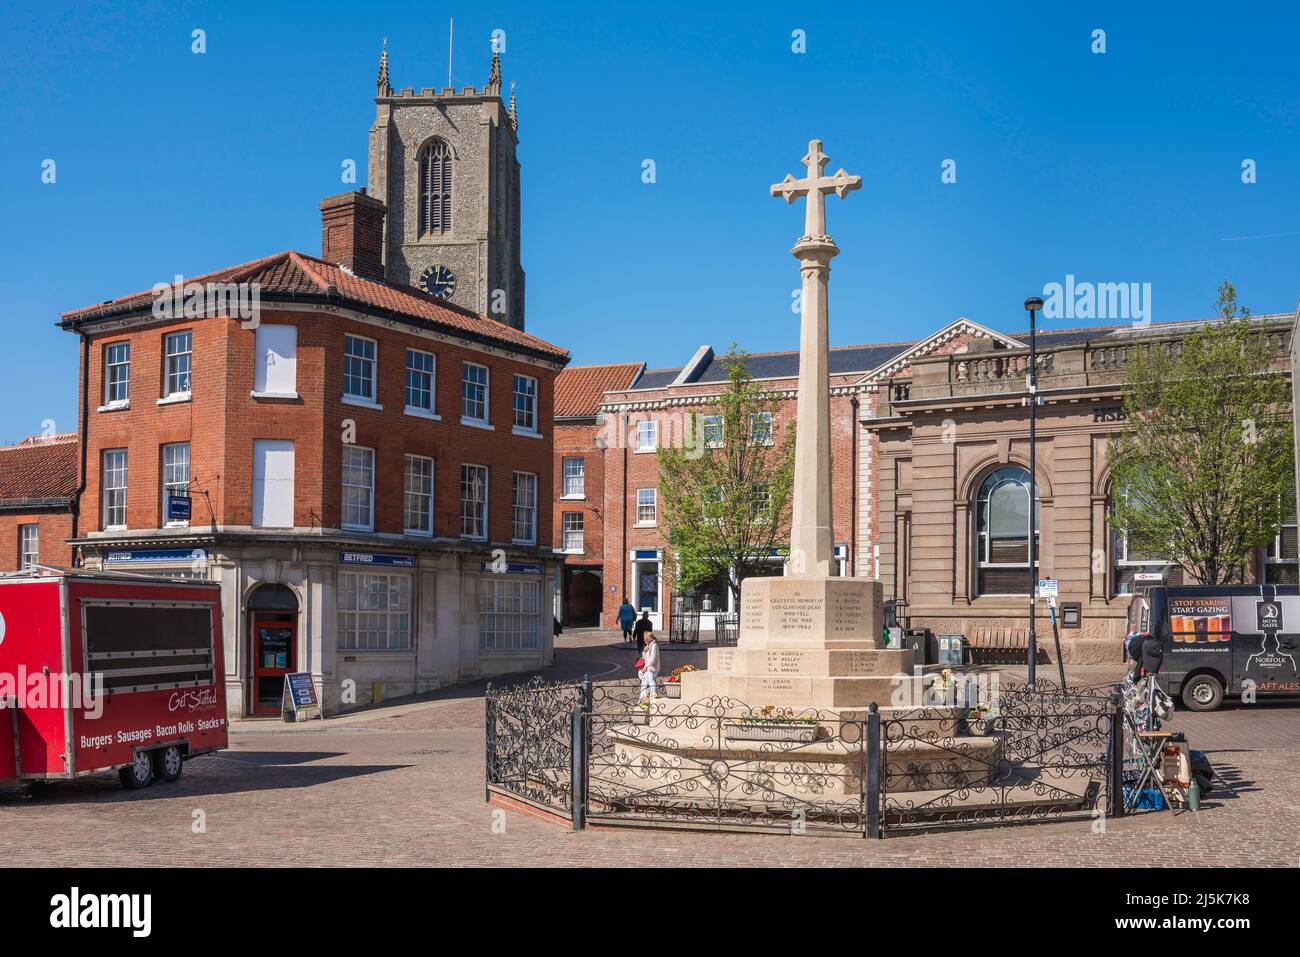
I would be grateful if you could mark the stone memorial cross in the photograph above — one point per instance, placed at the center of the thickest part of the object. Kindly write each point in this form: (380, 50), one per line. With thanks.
(811, 548)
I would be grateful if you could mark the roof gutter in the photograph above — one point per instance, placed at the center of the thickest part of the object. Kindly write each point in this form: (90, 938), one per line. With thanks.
(333, 298)
(34, 504)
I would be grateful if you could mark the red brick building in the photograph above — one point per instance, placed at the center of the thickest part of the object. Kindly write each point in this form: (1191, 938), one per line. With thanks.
(579, 482)
(38, 480)
(366, 467)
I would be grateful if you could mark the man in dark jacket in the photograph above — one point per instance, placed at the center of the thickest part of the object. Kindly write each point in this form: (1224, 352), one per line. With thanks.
(643, 625)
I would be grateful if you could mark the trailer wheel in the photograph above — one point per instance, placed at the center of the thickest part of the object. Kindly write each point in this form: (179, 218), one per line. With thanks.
(168, 762)
(139, 773)
(1202, 693)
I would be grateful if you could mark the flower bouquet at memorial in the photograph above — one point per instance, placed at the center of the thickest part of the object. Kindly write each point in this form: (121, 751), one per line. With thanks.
(943, 689)
(673, 684)
(771, 723)
(639, 713)
(977, 715)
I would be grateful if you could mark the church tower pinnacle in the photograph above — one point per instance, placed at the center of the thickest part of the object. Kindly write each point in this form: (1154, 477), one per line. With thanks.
(382, 86)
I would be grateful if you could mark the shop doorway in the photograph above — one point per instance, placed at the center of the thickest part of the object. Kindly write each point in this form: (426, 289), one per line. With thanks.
(273, 651)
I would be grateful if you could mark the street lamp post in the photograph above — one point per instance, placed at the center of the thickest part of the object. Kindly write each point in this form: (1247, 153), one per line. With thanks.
(1033, 304)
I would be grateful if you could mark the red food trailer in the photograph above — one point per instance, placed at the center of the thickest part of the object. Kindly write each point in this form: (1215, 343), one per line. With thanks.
(102, 671)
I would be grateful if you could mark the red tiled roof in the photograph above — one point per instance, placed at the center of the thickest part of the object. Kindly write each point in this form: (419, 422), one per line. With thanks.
(38, 470)
(578, 390)
(291, 273)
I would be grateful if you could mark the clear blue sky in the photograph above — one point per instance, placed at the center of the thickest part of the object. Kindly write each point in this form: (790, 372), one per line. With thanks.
(1118, 167)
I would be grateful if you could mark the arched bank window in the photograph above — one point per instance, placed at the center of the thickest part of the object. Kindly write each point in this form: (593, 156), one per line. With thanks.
(1002, 533)
(435, 188)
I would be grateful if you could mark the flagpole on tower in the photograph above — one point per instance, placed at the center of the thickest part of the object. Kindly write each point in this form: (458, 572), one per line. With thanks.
(451, 33)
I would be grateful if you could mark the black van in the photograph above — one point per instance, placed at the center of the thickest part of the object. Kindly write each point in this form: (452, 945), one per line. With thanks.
(1223, 639)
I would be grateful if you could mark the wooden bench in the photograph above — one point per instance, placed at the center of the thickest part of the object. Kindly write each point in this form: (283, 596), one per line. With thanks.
(998, 646)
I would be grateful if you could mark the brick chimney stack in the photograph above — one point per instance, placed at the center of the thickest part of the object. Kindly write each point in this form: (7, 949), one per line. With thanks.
(352, 233)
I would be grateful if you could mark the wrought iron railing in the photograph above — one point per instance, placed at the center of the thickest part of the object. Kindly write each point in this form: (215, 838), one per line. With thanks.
(726, 630)
(589, 752)
(684, 625)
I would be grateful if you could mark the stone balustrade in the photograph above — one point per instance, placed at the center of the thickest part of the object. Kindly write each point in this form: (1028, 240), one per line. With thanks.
(1004, 371)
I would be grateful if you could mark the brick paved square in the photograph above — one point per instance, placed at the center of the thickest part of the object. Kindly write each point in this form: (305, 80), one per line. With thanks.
(403, 786)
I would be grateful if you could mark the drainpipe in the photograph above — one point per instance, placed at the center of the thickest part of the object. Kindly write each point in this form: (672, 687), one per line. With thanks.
(852, 555)
(84, 440)
(623, 437)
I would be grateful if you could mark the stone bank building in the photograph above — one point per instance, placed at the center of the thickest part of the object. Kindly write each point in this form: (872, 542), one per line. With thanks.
(364, 459)
(930, 458)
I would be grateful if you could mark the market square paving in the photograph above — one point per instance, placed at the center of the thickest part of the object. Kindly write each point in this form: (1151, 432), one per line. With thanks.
(404, 785)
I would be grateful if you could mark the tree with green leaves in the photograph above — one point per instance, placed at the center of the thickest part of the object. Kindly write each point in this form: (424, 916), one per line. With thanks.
(726, 490)
(1204, 473)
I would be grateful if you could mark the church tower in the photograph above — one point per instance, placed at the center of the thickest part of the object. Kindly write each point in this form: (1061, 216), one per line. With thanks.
(443, 162)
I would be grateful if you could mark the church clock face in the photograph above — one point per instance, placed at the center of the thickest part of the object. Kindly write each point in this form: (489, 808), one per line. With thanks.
(438, 281)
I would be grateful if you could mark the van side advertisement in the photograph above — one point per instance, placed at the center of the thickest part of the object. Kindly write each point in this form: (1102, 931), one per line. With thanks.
(1200, 624)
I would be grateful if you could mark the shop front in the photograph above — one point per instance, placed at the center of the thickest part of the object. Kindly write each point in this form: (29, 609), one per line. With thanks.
(367, 625)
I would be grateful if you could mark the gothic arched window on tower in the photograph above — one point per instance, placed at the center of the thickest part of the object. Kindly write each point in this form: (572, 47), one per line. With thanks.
(435, 188)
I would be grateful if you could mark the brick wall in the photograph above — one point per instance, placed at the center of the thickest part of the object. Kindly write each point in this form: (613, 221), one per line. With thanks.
(579, 441)
(622, 536)
(222, 420)
(53, 530)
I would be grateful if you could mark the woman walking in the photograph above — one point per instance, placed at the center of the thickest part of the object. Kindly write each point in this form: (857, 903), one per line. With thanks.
(626, 619)
(649, 668)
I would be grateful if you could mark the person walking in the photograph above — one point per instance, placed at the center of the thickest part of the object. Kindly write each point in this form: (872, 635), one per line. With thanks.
(626, 619)
(649, 668)
(643, 627)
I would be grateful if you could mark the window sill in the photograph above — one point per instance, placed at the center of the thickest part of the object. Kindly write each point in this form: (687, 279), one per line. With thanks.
(115, 406)
(524, 542)
(273, 395)
(573, 498)
(417, 412)
(174, 398)
(641, 451)
(527, 433)
(416, 533)
(114, 528)
(477, 423)
(570, 551)
(645, 525)
(474, 538)
(359, 528)
(362, 403)
(176, 525)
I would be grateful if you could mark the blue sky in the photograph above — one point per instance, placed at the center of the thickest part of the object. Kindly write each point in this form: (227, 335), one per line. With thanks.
(1115, 167)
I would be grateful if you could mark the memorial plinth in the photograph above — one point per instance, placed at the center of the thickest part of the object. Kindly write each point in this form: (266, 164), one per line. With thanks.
(805, 642)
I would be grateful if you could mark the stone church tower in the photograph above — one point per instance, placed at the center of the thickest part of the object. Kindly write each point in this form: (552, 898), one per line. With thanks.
(443, 162)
